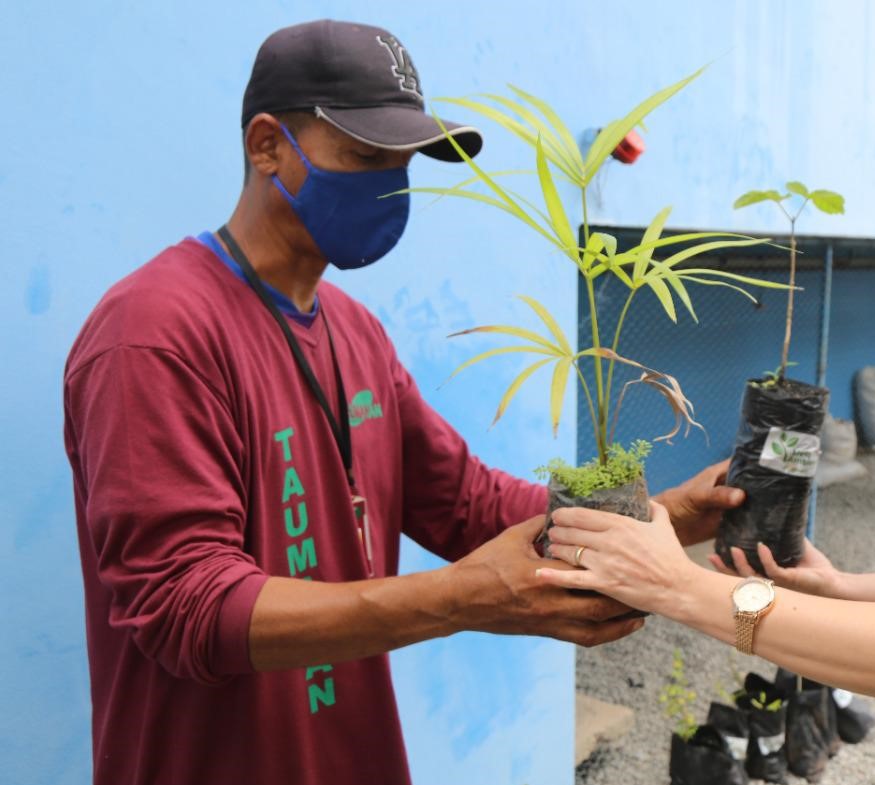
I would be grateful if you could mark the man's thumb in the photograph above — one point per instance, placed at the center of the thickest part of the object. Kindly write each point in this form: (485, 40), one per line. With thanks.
(532, 527)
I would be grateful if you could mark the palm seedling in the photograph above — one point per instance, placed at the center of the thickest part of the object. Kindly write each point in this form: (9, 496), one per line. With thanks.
(661, 264)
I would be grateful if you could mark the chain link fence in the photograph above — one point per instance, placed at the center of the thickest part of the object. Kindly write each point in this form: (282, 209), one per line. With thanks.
(734, 340)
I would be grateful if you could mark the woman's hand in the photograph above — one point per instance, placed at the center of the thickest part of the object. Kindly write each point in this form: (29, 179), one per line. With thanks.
(814, 574)
(640, 564)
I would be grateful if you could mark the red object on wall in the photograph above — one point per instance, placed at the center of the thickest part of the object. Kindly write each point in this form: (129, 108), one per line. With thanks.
(630, 148)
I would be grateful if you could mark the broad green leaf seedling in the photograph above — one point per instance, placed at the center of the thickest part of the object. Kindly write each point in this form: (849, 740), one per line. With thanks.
(827, 202)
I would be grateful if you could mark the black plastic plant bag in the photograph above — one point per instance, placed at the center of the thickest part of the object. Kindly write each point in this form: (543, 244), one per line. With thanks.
(790, 682)
(765, 758)
(774, 462)
(853, 718)
(808, 733)
(705, 758)
(733, 726)
(630, 499)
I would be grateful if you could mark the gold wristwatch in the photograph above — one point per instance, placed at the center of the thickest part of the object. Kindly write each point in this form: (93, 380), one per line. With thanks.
(753, 598)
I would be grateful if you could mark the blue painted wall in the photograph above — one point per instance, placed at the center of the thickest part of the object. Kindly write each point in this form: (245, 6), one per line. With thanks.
(120, 135)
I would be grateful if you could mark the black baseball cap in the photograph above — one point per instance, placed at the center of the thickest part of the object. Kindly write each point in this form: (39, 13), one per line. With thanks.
(357, 77)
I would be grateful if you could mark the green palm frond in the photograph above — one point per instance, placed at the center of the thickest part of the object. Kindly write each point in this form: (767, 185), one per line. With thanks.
(515, 386)
(552, 325)
(558, 217)
(567, 138)
(651, 234)
(614, 133)
(659, 263)
(528, 134)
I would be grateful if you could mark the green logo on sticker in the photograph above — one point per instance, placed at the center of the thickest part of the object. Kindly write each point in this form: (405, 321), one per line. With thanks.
(784, 447)
(362, 407)
(794, 460)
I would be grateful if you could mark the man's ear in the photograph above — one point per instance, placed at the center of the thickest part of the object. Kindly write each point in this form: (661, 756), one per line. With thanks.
(261, 143)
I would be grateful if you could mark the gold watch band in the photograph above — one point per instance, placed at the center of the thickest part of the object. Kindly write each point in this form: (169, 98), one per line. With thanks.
(745, 624)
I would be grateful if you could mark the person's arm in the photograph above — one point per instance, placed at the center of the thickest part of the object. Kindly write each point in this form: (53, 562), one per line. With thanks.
(855, 586)
(493, 589)
(459, 509)
(158, 459)
(814, 574)
(157, 465)
(644, 565)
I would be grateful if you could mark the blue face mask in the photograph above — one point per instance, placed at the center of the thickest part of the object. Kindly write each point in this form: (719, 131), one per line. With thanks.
(343, 213)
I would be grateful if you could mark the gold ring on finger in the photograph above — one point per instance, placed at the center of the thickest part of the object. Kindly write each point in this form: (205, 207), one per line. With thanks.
(577, 554)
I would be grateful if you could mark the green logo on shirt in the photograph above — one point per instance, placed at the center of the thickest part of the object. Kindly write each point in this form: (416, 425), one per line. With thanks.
(362, 407)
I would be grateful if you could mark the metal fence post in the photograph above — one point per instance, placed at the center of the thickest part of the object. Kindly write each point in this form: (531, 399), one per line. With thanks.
(822, 358)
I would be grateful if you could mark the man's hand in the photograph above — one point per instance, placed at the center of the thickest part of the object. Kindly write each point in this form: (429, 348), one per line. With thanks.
(498, 592)
(696, 506)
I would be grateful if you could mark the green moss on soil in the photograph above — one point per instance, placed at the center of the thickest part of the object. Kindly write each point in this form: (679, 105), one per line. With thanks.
(623, 466)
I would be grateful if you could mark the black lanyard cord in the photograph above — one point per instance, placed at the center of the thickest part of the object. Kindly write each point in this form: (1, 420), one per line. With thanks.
(341, 430)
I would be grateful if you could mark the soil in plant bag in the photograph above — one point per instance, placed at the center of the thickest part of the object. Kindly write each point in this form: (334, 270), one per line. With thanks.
(775, 460)
(704, 758)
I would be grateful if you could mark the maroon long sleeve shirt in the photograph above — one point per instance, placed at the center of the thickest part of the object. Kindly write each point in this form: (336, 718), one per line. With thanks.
(202, 465)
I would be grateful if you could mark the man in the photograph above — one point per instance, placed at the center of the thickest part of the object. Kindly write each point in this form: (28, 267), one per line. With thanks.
(247, 451)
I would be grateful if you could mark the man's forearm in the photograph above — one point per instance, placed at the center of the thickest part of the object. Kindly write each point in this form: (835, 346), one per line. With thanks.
(492, 589)
(296, 623)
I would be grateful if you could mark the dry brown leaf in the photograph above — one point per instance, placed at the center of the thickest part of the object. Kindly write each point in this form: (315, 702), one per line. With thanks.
(666, 385)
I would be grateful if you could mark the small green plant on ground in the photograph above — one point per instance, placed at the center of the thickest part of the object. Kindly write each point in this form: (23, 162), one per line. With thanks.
(623, 466)
(677, 699)
(594, 254)
(828, 202)
(762, 703)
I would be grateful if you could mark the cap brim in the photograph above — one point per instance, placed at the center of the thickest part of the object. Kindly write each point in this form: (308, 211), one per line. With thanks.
(404, 128)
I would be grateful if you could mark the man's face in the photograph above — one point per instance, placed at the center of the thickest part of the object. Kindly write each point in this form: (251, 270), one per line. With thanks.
(272, 154)
(331, 149)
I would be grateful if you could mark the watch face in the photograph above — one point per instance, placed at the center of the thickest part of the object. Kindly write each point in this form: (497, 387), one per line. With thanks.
(753, 596)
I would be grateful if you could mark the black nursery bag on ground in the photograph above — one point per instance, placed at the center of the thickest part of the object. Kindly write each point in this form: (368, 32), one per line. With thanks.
(853, 718)
(705, 758)
(808, 733)
(766, 758)
(733, 726)
(825, 706)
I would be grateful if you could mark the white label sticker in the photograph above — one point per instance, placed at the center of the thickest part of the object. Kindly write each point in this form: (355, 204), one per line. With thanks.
(791, 452)
(769, 745)
(842, 698)
(737, 747)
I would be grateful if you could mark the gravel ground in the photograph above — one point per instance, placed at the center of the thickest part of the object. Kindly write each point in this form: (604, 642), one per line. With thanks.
(631, 672)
